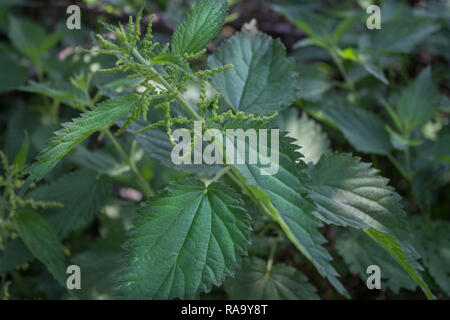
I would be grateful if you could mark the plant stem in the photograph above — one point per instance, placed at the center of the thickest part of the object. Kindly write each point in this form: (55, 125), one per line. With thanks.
(408, 162)
(196, 116)
(3, 289)
(271, 258)
(219, 175)
(140, 179)
(167, 85)
(399, 167)
(338, 62)
(243, 185)
(148, 191)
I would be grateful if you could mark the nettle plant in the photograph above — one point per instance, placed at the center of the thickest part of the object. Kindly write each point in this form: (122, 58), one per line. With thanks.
(195, 232)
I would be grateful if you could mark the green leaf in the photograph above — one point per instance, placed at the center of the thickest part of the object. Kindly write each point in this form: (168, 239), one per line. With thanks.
(13, 74)
(100, 265)
(261, 71)
(102, 117)
(174, 60)
(314, 25)
(284, 195)
(185, 240)
(156, 143)
(83, 193)
(104, 160)
(199, 27)
(375, 70)
(441, 148)
(402, 35)
(403, 257)
(432, 240)
(400, 142)
(344, 26)
(25, 35)
(21, 156)
(308, 135)
(50, 41)
(306, 42)
(313, 82)
(426, 182)
(15, 254)
(360, 251)
(415, 106)
(363, 129)
(348, 54)
(368, 60)
(30, 38)
(63, 93)
(19, 121)
(348, 192)
(42, 241)
(282, 283)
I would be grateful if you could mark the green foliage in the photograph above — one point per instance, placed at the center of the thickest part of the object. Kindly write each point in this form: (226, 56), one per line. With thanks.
(184, 241)
(62, 93)
(259, 63)
(12, 179)
(16, 254)
(31, 39)
(313, 82)
(102, 117)
(360, 251)
(13, 74)
(309, 136)
(255, 282)
(199, 27)
(82, 193)
(432, 241)
(416, 103)
(314, 25)
(42, 242)
(348, 192)
(404, 256)
(100, 265)
(283, 197)
(403, 34)
(441, 149)
(157, 143)
(106, 178)
(363, 129)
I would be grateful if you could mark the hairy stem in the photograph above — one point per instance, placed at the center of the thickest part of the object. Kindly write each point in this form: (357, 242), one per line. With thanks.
(167, 85)
(338, 62)
(148, 191)
(247, 190)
